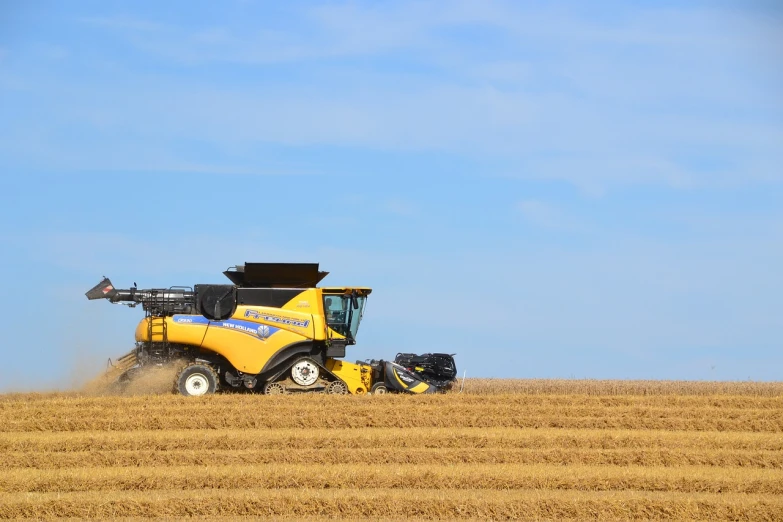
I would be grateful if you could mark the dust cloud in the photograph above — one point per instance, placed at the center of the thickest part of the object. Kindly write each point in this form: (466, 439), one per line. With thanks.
(151, 381)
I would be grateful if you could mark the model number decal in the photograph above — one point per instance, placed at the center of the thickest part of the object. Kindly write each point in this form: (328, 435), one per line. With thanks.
(253, 314)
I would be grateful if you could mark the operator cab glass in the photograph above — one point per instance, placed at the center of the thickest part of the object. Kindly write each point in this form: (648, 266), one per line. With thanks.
(341, 316)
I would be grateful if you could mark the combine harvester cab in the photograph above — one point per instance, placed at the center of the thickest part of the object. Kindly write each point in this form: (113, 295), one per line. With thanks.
(272, 330)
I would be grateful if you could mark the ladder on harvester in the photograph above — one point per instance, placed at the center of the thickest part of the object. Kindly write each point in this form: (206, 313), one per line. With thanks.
(156, 319)
(158, 347)
(156, 330)
(157, 333)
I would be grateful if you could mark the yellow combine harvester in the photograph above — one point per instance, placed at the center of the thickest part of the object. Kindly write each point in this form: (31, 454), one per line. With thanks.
(271, 330)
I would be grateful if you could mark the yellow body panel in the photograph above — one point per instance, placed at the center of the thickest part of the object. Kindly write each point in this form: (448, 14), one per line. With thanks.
(356, 376)
(244, 353)
(419, 388)
(252, 335)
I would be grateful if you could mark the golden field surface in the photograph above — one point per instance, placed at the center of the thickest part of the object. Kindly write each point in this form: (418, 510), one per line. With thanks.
(502, 450)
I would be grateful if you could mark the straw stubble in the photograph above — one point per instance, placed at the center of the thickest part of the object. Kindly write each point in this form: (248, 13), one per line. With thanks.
(545, 450)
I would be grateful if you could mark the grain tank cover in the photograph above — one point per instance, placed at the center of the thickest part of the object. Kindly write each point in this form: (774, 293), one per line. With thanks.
(275, 275)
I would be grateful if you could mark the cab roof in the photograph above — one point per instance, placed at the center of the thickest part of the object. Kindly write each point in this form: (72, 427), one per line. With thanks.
(344, 289)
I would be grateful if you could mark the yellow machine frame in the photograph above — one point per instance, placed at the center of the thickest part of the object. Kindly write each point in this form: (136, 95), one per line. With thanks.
(252, 337)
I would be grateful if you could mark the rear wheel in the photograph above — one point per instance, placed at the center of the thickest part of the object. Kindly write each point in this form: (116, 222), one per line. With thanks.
(197, 379)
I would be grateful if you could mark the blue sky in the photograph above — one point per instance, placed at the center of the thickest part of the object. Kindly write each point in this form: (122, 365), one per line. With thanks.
(545, 189)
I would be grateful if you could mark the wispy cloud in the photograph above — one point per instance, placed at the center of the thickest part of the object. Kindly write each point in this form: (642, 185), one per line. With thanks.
(124, 23)
(384, 114)
(594, 100)
(549, 216)
(400, 207)
(539, 213)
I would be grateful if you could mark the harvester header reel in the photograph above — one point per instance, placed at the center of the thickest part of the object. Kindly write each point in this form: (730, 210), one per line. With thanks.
(437, 369)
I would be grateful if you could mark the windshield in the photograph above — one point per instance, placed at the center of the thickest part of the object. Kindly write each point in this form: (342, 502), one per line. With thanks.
(341, 316)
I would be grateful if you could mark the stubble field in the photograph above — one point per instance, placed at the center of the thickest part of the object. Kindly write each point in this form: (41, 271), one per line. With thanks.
(502, 449)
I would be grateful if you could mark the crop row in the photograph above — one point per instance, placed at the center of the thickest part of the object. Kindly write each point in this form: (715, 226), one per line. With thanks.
(378, 438)
(313, 418)
(161, 382)
(270, 407)
(23, 401)
(385, 456)
(686, 479)
(380, 503)
(621, 387)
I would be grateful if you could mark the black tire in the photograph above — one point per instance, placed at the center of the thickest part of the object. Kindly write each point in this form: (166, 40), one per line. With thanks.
(197, 379)
(379, 389)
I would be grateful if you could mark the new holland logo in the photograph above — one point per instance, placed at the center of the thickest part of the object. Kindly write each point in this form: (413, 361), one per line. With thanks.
(260, 331)
(405, 378)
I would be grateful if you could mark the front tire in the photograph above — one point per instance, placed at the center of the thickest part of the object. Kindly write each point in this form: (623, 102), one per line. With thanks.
(379, 389)
(196, 380)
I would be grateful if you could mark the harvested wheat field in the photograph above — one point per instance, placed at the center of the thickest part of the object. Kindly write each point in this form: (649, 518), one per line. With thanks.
(502, 450)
